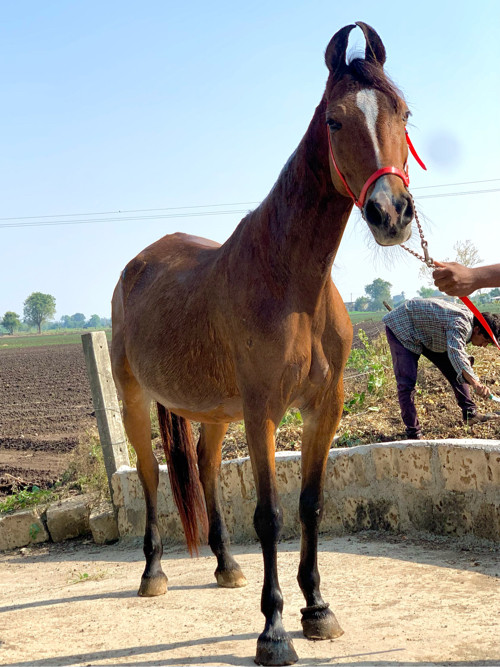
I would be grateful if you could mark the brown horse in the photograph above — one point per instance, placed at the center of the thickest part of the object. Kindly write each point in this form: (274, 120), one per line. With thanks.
(244, 330)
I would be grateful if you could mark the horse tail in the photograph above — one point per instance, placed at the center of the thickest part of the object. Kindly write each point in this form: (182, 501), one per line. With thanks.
(187, 491)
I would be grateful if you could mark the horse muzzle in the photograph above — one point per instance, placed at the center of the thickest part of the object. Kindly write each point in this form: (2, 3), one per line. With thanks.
(389, 216)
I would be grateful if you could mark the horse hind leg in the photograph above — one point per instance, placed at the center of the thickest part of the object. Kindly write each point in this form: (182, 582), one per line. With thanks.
(228, 573)
(137, 424)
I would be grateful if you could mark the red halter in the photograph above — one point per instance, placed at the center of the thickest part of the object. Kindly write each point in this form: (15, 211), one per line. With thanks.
(383, 171)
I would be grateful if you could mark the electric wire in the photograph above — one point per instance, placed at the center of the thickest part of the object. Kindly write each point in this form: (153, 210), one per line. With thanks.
(193, 211)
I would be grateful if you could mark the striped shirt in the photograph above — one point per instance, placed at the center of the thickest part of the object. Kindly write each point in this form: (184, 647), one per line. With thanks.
(436, 324)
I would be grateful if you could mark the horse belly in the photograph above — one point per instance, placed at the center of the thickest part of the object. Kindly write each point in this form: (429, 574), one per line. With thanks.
(196, 381)
(230, 410)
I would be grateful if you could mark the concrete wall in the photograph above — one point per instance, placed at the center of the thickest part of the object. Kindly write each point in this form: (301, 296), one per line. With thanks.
(446, 487)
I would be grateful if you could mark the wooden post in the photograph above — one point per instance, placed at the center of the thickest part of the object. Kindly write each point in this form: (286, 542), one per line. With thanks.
(107, 409)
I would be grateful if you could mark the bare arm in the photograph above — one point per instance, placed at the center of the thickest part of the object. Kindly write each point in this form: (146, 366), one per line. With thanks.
(480, 389)
(458, 280)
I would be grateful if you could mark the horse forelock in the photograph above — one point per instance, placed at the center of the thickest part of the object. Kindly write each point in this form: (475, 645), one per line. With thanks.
(371, 75)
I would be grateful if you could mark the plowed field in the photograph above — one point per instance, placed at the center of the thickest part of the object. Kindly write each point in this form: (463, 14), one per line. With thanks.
(45, 407)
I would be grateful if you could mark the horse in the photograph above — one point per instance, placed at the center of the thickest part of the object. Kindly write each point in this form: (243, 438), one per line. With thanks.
(244, 330)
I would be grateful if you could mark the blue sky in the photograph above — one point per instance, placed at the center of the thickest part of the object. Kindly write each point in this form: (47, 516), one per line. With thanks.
(128, 106)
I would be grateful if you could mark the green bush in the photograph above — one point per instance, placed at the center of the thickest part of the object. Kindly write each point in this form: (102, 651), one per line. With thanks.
(374, 361)
(23, 499)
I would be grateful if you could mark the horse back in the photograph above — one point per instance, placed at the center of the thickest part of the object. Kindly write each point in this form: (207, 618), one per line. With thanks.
(167, 323)
(170, 258)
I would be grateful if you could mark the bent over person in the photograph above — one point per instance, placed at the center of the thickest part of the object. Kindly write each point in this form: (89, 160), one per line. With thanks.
(440, 331)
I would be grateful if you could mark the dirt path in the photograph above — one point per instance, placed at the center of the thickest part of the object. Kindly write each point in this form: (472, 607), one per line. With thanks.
(399, 601)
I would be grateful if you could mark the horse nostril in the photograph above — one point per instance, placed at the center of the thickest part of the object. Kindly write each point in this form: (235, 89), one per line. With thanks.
(374, 213)
(404, 208)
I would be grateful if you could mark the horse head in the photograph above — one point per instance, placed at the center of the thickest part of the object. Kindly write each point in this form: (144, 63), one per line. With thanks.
(366, 117)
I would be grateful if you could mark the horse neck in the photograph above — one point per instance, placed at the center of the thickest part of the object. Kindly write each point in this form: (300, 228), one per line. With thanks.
(298, 227)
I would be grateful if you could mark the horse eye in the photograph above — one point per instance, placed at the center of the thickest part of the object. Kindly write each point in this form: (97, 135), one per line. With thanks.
(333, 125)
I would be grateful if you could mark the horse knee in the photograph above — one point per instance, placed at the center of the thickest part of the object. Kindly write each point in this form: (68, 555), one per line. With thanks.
(310, 507)
(268, 522)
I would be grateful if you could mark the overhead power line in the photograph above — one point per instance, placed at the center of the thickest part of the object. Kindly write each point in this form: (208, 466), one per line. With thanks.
(455, 185)
(180, 208)
(193, 211)
(48, 223)
(458, 194)
(133, 210)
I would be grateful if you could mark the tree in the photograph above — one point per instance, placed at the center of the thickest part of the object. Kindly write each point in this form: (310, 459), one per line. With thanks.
(11, 321)
(379, 291)
(481, 299)
(467, 253)
(428, 292)
(78, 320)
(361, 303)
(38, 308)
(94, 322)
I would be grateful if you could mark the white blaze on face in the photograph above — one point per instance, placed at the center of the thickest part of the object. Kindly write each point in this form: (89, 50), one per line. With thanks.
(366, 101)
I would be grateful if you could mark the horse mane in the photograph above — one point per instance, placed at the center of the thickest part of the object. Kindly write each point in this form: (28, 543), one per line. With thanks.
(371, 74)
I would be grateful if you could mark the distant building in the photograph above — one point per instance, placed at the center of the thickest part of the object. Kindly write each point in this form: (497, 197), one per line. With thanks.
(398, 299)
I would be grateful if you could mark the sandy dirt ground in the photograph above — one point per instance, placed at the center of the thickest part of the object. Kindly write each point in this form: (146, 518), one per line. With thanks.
(400, 601)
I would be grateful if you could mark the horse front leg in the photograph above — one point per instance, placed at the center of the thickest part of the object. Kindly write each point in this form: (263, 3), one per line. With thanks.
(274, 646)
(137, 424)
(228, 572)
(320, 424)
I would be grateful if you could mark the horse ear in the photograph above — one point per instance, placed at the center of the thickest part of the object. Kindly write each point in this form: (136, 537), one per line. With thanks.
(375, 50)
(336, 50)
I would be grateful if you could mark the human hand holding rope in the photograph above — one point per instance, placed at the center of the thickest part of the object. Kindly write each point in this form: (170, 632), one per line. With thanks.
(457, 280)
(453, 278)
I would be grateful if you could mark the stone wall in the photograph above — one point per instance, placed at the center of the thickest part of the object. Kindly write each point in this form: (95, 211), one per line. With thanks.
(59, 521)
(446, 487)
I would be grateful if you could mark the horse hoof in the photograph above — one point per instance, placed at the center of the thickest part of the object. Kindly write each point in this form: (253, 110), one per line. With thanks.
(230, 578)
(153, 585)
(319, 622)
(279, 651)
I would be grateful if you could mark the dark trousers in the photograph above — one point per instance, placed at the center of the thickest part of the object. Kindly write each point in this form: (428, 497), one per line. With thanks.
(405, 364)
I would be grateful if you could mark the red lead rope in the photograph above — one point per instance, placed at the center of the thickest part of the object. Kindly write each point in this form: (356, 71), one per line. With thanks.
(413, 151)
(480, 317)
